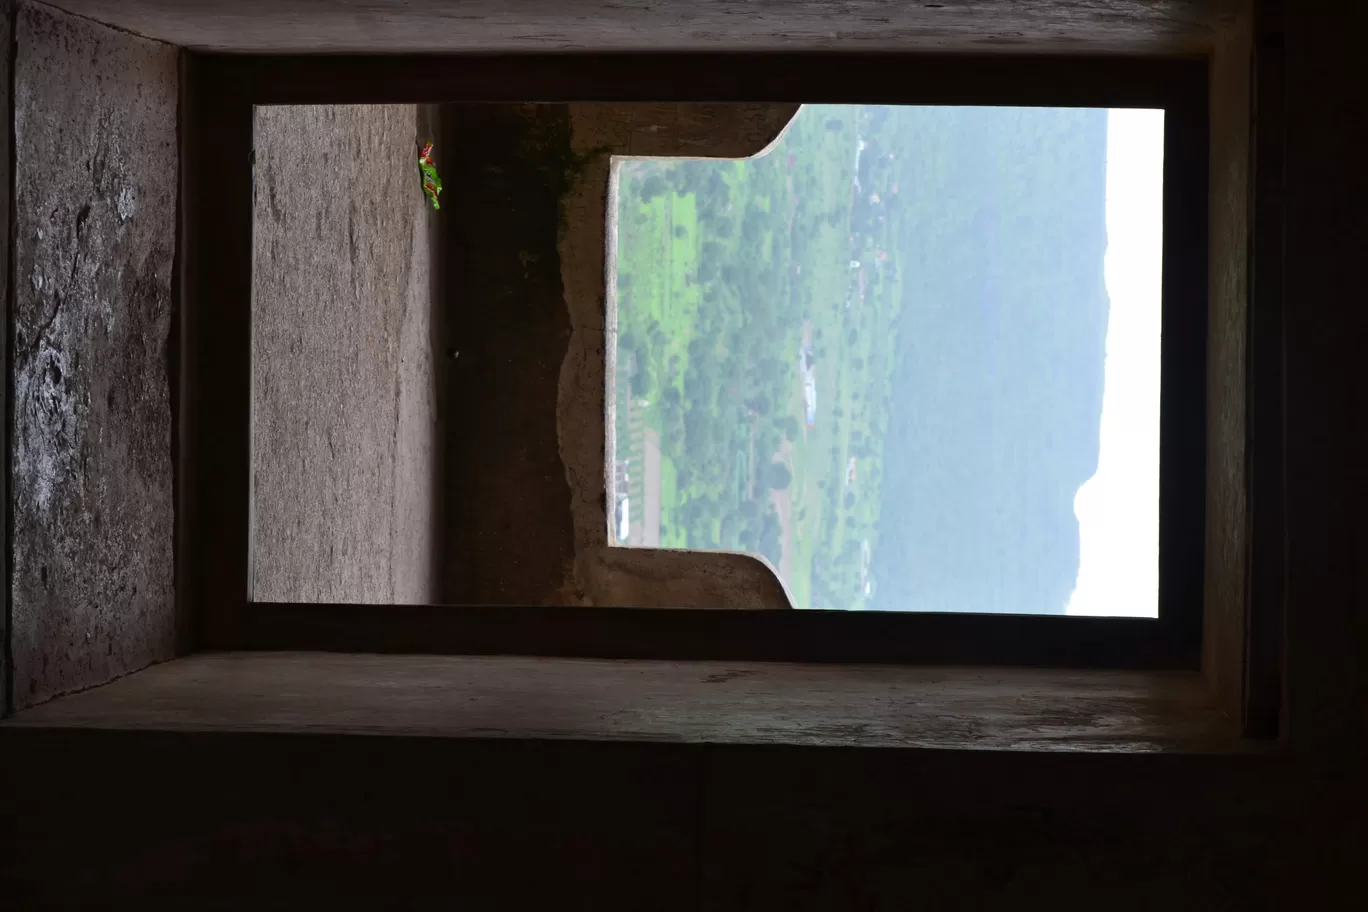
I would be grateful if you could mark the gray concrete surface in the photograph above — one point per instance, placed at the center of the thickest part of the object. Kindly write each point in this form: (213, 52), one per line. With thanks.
(1125, 26)
(344, 440)
(94, 235)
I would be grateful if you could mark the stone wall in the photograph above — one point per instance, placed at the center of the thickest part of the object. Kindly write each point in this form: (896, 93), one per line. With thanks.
(344, 418)
(530, 312)
(94, 241)
(1227, 547)
(639, 577)
(6, 187)
(496, 26)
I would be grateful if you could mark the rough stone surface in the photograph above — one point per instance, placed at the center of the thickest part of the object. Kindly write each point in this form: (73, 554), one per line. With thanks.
(96, 165)
(344, 432)
(816, 704)
(508, 527)
(661, 578)
(6, 187)
(1126, 26)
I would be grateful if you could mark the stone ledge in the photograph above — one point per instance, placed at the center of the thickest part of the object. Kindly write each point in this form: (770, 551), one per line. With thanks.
(1000, 709)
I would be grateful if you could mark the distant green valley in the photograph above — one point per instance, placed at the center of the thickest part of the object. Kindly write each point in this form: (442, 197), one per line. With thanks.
(816, 348)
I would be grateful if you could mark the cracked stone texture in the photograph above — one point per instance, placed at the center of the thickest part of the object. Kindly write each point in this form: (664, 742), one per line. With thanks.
(344, 419)
(6, 186)
(94, 236)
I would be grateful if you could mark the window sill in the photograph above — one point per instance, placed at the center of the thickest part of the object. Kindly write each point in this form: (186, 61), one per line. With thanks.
(657, 701)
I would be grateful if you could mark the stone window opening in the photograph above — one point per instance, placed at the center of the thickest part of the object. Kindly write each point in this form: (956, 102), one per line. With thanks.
(525, 262)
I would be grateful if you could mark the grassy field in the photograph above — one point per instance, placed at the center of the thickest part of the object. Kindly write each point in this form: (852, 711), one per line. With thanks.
(725, 270)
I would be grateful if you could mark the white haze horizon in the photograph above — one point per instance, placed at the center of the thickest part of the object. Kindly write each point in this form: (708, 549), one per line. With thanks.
(1118, 508)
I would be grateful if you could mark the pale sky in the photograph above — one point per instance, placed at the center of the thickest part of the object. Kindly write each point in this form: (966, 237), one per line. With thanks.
(1118, 508)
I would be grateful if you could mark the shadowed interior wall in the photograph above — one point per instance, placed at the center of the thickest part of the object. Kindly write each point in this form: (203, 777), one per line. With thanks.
(1324, 325)
(1226, 541)
(344, 417)
(94, 240)
(530, 316)
(488, 26)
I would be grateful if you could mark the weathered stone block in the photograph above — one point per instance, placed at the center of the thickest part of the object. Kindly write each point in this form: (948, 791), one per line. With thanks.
(6, 188)
(344, 415)
(95, 233)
